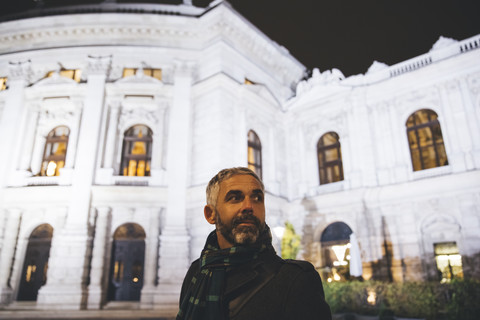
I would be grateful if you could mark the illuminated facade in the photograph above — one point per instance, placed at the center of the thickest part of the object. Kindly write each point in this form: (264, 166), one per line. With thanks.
(112, 124)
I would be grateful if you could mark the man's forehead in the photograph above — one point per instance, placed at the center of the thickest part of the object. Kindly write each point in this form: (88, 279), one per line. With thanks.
(240, 182)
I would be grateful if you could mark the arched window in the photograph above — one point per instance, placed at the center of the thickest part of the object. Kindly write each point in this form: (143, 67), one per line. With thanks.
(128, 258)
(329, 154)
(254, 153)
(55, 151)
(34, 272)
(137, 151)
(425, 140)
(335, 244)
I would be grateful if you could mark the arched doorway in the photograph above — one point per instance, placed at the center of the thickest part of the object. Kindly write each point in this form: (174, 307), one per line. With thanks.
(34, 272)
(335, 244)
(126, 270)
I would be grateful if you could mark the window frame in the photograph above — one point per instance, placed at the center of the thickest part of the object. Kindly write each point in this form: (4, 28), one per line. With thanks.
(431, 124)
(256, 146)
(127, 145)
(50, 141)
(324, 164)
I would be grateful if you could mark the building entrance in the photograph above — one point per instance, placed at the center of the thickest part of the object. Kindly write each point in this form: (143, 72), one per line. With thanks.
(128, 256)
(34, 272)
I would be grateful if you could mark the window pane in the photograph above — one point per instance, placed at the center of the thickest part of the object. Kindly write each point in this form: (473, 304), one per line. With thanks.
(127, 72)
(429, 150)
(412, 139)
(331, 155)
(329, 158)
(55, 151)
(136, 154)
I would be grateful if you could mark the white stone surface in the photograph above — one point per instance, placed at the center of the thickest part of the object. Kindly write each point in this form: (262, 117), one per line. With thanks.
(200, 114)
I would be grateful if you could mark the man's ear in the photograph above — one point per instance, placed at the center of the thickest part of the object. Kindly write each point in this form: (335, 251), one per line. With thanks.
(209, 213)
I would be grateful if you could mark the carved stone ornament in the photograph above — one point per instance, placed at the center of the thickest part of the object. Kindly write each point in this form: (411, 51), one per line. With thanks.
(99, 65)
(318, 78)
(55, 79)
(137, 115)
(377, 66)
(443, 42)
(20, 70)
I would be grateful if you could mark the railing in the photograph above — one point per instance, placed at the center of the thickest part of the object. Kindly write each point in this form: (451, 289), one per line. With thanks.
(470, 44)
(410, 65)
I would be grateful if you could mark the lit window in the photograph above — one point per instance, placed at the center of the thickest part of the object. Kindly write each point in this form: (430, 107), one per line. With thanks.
(137, 151)
(55, 151)
(449, 261)
(335, 244)
(3, 83)
(248, 82)
(254, 153)
(74, 74)
(329, 154)
(425, 140)
(151, 72)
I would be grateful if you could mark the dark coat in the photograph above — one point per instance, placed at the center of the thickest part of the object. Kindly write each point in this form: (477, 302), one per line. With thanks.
(270, 288)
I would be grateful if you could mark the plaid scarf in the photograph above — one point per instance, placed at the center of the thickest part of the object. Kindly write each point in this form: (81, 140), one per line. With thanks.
(203, 299)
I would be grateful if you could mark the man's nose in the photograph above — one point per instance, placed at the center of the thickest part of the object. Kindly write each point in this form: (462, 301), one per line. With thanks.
(247, 205)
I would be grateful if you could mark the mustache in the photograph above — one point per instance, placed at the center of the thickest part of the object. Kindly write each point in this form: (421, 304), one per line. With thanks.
(243, 218)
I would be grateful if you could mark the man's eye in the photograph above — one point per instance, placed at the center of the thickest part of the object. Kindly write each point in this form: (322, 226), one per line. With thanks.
(258, 197)
(233, 198)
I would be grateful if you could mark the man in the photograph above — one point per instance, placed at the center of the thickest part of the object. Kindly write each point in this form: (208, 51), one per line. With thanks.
(239, 276)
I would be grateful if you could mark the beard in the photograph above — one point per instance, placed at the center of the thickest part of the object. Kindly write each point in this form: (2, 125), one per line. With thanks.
(240, 235)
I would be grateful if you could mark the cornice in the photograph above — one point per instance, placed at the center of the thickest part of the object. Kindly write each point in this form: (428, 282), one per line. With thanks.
(221, 23)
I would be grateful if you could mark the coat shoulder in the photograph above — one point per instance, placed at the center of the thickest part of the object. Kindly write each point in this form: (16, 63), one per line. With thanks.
(300, 265)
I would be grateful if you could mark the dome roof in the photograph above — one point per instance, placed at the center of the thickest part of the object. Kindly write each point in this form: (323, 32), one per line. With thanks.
(37, 8)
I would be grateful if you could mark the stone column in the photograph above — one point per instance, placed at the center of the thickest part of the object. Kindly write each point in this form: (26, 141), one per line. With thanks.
(12, 116)
(27, 148)
(397, 129)
(151, 255)
(7, 253)
(68, 267)
(111, 134)
(95, 290)
(72, 139)
(174, 241)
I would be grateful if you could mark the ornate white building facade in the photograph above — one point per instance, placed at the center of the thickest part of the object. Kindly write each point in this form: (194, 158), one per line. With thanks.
(112, 124)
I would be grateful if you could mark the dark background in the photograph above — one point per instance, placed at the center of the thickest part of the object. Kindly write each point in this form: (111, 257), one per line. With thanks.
(344, 34)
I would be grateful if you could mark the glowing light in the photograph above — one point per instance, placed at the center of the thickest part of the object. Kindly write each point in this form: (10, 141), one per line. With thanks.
(372, 297)
(329, 280)
(340, 252)
(336, 277)
(135, 279)
(51, 168)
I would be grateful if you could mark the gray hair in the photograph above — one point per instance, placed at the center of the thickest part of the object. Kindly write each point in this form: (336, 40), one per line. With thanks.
(213, 186)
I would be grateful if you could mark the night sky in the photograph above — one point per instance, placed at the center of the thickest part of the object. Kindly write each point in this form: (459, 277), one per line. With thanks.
(344, 34)
(350, 34)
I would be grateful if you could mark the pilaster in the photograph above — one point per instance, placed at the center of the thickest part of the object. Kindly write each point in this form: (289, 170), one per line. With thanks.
(96, 293)
(151, 258)
(174, 241)
(19, 74)
(7, 254)
(68, 289)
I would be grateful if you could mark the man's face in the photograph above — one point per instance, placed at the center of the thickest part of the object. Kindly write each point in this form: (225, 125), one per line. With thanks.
(240, 211)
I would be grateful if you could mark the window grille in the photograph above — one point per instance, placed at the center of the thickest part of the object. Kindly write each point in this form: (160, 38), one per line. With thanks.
(254, 153)
(425, 140)
(329, 155)
(55, 151)
(137, 151)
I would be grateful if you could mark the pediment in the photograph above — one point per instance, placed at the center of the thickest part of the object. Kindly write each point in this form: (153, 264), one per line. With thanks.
(139, 79)
(55, 79)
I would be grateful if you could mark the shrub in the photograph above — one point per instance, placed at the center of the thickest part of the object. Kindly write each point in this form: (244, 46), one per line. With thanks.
(426, 300)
